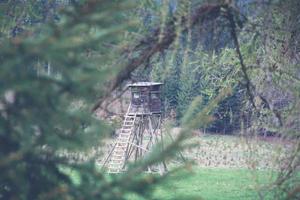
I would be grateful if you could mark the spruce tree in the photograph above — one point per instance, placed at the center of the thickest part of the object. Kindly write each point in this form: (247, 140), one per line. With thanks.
(43, 115)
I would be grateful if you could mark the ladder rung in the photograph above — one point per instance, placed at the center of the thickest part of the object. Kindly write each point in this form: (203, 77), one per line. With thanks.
(115, 167)
(126, 131)
(122, 140)
(119, 151)
(116, 159)
(116, 162)
(114, 172)
(126, 116)
(127, 135)
(128, 124)
(116, 154)
(123, 137)
(120, 147)
(122, 143)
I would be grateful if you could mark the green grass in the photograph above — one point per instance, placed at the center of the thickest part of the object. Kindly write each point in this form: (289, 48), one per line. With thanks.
(216, 184)
(207, 184)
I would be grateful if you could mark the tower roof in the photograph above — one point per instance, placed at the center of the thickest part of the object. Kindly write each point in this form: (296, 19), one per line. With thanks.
(144, 84)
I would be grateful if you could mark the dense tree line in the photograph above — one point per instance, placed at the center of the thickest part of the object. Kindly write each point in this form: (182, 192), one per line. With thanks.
(203, 60)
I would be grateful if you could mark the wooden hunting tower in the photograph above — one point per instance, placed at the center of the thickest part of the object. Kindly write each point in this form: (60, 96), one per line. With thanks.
(141, 128)
(145, 98)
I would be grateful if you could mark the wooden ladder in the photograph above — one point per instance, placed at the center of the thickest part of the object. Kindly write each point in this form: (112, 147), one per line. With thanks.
(117, 160)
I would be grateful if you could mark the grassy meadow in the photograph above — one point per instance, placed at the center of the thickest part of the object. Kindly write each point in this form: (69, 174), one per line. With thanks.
(222, 169)
(227, 184)
(226, 168)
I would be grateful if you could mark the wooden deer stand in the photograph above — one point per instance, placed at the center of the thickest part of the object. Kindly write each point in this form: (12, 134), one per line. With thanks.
(141, 128)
